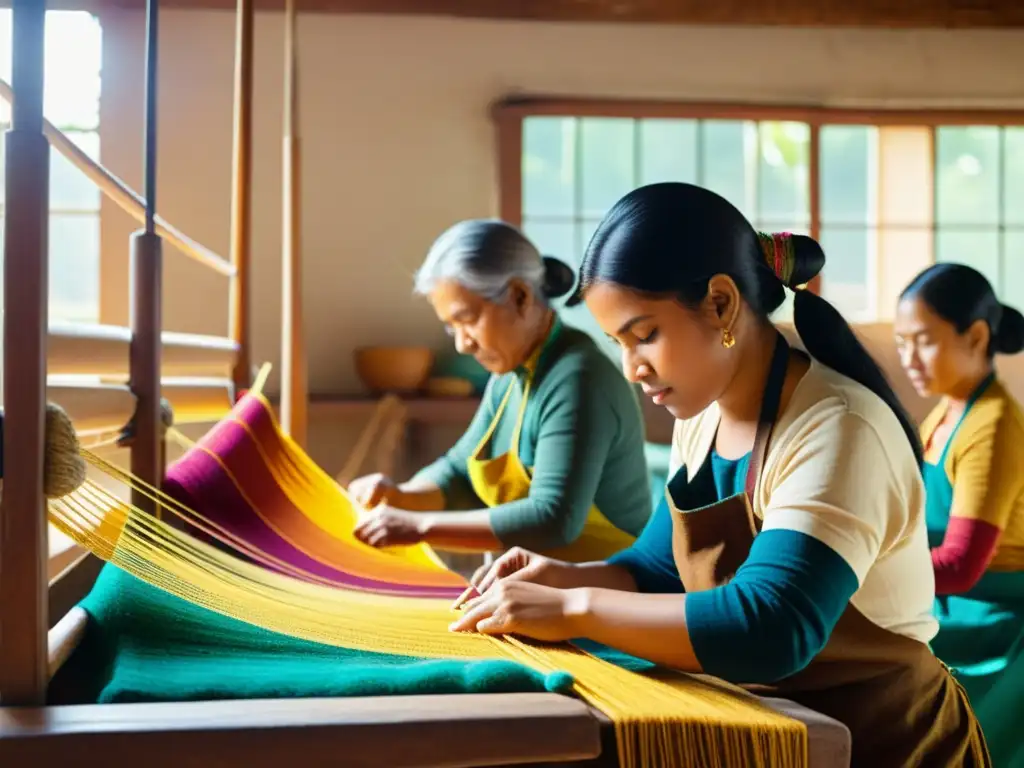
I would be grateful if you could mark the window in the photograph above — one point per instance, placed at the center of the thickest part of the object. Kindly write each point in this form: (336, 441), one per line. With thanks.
(72, 71)
(979, 203)
(574, 169)
(886, 194)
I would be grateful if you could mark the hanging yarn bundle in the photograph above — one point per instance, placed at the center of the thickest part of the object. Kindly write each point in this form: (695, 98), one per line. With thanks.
(64, 467)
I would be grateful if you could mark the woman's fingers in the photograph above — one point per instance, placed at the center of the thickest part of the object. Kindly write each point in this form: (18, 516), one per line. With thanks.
(495, 625)
(479, 573)
(514, 565)
(479, 583)
(375, 494)
(479, 609)
(362, 529)
(470, 593)
(372, 532)
(369, 491)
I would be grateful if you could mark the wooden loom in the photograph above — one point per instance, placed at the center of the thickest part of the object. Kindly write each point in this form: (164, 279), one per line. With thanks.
(198, 375)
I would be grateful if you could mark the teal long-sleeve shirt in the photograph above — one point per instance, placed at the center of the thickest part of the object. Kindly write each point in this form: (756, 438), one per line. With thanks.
(582, 440)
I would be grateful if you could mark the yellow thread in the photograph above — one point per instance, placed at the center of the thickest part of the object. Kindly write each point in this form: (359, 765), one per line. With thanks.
(661, 718)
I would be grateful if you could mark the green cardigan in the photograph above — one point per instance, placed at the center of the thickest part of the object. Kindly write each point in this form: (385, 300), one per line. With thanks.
(582, 440)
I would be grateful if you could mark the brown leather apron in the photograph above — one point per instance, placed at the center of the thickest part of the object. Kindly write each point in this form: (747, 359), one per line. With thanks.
(901, 704)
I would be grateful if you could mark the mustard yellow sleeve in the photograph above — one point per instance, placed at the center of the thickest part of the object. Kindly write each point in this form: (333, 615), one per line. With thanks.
(928, 425)
(987, 464)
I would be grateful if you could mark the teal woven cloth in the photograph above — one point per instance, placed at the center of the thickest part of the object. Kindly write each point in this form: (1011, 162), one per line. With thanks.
(143, 644)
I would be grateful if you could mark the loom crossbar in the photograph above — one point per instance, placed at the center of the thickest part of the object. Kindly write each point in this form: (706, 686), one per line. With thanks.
(97, 407)
(103, 350)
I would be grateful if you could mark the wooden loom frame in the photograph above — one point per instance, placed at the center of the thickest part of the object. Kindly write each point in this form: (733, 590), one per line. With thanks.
(37, 631)
(39, 626)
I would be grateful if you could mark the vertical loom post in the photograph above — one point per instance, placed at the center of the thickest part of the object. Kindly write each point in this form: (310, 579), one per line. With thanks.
(146, 299)
(241, 196)
(23, 524)
(293, 352)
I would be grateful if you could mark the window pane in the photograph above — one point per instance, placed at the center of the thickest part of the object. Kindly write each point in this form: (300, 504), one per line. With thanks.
(554, 238)
(728, 162)
(846, 280)
(606, 158)
(900, 255)
(1013, 170)
(549, 166)
(70, 189)
(72, 92)
(906, 179)
(72, 98)
(783, 173)
(1013, 269)
(978, 249)
(967, 175)
(75, 267)
(847, 157)
(668, 151)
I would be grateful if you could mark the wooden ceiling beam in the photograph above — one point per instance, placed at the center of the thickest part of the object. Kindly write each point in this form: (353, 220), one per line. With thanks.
(798, 13)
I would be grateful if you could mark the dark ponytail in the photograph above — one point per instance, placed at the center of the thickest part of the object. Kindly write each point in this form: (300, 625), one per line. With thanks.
(962, 296)
(672, 238)
(828, 338)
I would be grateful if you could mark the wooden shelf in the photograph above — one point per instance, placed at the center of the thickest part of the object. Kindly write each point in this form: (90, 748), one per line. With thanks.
(444, 411)
(422, 410)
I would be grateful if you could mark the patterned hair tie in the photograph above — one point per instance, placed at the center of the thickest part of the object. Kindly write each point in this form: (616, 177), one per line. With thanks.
(779, 254)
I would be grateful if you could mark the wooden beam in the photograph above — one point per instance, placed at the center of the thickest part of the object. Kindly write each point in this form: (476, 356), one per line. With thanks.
(799, 13)
(392, 731)
(241, 195)
(294, 376)
(71, 586)
(524, 105)
(23, 527)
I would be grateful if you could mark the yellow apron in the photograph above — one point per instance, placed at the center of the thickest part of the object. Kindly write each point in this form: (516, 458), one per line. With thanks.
(504, 479)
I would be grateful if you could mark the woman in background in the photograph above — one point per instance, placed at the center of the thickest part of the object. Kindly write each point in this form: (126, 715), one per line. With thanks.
(949, 327)
(555, 453)
(792, 556)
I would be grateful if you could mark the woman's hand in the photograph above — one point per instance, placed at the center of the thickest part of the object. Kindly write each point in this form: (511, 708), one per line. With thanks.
(522, 608)
(389, 527)
(371, 490)
(516, 565)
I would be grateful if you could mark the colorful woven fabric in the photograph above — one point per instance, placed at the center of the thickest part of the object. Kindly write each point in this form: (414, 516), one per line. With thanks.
(246, 478)
(311, 611)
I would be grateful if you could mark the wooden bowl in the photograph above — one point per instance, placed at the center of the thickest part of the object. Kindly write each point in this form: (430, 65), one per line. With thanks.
(394, 370)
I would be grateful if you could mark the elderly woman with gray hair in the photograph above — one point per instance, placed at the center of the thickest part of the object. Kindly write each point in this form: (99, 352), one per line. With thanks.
(554, 457)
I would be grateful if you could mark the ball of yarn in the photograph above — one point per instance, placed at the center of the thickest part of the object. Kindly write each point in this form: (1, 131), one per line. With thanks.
(63, 466)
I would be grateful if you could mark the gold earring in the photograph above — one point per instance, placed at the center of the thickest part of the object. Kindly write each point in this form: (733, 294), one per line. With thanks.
(728, 340)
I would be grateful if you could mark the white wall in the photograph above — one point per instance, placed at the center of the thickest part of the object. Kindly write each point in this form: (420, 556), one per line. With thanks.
(398, 143)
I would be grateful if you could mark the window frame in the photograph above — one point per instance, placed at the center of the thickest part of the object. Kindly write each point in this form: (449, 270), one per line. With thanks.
(509, 114)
